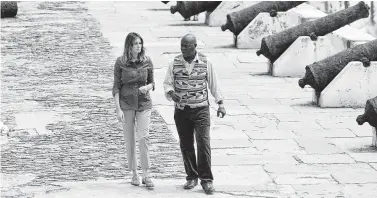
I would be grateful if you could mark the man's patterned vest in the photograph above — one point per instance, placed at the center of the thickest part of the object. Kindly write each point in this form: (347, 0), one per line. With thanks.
(192, 88)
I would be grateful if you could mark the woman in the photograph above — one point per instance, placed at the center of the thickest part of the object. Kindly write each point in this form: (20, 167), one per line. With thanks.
(133, 78)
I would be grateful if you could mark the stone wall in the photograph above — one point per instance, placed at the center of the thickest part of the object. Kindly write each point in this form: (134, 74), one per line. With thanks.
(367, 24)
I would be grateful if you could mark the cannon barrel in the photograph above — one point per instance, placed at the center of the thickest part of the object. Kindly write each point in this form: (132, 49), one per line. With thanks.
(319, 74)
(8, 9)
(370, 113)
(273, 46)
(237, 21)
(191, 8)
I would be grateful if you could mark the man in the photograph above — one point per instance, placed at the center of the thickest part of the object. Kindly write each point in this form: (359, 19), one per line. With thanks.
(187, 81)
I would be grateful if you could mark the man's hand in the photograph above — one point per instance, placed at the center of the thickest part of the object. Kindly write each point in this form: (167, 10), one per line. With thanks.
(221, 111)
(174, 96)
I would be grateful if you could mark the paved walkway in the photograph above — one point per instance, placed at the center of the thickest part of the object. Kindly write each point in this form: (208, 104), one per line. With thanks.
(272, 143)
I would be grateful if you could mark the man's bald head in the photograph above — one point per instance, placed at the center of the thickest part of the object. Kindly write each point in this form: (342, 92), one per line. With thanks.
(188, 46)
(189, 38)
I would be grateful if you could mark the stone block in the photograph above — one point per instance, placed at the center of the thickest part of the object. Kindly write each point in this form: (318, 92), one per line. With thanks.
(288, 65)
(343, 92)
(229, 176)
(264, 25)
(226, 143)
(320, 190)
(270, 134)
(325, 133)
(356, 177)
(217, 17)
(364, 157)
(361, 190)
(318, 145)
(298, 125)
(314, 178)
(224, 132)
(326, 159)
(278, 146)
(265, 158)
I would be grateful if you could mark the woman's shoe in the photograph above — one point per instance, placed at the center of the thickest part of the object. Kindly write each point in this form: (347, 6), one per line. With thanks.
(135, 180)
(148, 182)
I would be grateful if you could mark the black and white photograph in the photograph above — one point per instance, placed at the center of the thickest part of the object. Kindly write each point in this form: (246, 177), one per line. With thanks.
(183, 99)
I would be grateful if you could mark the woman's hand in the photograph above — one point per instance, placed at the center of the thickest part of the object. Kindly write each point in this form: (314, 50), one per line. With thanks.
(120, 116)
(146, 88)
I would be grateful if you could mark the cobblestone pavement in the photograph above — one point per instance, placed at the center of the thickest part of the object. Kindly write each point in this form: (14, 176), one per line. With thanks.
(57, 69)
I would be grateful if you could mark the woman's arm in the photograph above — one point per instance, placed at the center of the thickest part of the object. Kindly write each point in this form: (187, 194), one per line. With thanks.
(117, 84)
(150, 78)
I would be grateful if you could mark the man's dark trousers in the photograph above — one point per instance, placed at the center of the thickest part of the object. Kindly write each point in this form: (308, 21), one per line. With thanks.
(187, 121)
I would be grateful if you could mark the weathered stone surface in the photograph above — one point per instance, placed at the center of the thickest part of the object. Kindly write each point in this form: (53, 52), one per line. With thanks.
(326, 133)
(374, 165)
(341, 93)
(225, 143)
(356, 177)
(364, 157)
(320, 190)
(310, 51)
(12, 180)
(317, 145)
(276, 109)
(303, 179)
(353, 145)
(361, 190)
(226, 177)
(278, 146)
(224, 132)
(168, 188)
(316, 168)
(298, 125)
(265, 134)
(266, 158)
(325, 159)
(235, 151)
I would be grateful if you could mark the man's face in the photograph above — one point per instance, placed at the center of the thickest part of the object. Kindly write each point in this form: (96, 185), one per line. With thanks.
(187, 48)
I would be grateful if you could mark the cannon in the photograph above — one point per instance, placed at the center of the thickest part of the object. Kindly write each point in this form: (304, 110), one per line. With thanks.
(8, 9)
(319, 74)
(191, 8)
(370, 113)
(274, 45)
(237, 21)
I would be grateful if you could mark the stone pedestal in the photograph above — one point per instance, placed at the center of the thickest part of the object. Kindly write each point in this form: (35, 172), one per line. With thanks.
(374, 138)
(354, 85)
(264, 25)
(217, 17)
(303, 52)
(288, 65)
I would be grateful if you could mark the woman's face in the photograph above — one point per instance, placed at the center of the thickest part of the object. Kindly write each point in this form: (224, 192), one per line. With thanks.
(136, 46)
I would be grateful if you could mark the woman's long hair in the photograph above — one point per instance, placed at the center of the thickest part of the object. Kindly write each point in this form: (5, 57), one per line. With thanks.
(127, 56)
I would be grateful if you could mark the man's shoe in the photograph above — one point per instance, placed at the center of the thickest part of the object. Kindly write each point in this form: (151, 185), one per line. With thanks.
(190, 184)
(208, 188)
